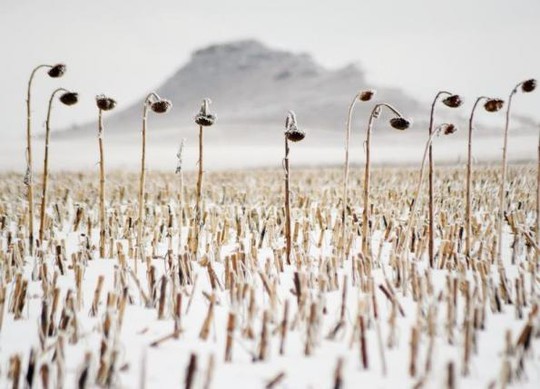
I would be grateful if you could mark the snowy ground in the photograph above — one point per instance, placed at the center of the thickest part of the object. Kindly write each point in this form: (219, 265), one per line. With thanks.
(389, 321)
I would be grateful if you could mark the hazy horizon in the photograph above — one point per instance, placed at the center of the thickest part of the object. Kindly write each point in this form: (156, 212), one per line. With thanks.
(128, 48)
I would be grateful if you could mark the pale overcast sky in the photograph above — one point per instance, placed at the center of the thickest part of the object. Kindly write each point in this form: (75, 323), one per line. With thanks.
(126, 48)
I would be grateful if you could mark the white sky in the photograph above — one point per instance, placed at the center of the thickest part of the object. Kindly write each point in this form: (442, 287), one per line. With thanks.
(126, 48)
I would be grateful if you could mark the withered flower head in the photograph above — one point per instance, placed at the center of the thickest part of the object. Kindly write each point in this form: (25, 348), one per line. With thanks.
(453, 101)
(448, 128)
(494, 105)
(366, 95)
(204, 117)
(105, 103)
(69, 98)
(57, 70)
(400, 123)
(292, 132)
(529, 85)
(161, 106)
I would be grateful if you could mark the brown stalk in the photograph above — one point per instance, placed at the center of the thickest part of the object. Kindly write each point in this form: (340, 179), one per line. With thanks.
(200, 177)
(375, 113)
(287, 204)
(344, 201)
(231, 324)
(283, 328)
(102, 224)
(149, 101)
(468, 204)
(363, 344)
(14, 372)
(414, 351)
(430, 155)
(205, 329)
(29, 171)
(263, 346)
(46, 165)
(97, 294)
(276, 380)
(191, 371)
(338, 374)
(502, 193)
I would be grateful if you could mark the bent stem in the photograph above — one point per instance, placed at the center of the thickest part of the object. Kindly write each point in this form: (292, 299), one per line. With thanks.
(140, 221)
(46, 165)
(367, 174)
(431, 216)
(29, 168)
(503, 175)
(346, 171)
(468, 198)
(404, 242)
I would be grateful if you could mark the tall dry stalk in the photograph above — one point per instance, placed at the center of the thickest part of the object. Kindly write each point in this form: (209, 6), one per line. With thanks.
(526, 87)
(67, 98)
(399, 123)
(158, 105)
(180, 172)
(452, 101)
(445, 129)
(104, 104)
(492, 105)
(204, 119)
(55, 71)
(293, 134)
(361, 96)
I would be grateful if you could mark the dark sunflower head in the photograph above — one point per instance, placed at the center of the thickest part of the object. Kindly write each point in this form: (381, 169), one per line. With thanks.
(161, 106)
(57, 70)
(494, 105)
(453, 101)
(366, 95)
(448, 129)
(204, 117)
(105, 103)
(69, 98)
(400, 123)
(292, 132)
(529, 85)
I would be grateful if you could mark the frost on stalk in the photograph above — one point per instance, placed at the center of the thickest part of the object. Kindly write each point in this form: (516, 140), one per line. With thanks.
(179, 157)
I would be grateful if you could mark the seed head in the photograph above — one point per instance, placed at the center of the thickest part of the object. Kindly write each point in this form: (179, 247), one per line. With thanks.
(366, 95)
(400, 123)
(69, 98)
(161, 106)
(204, 117)
(529, 85)
(494, 105)
(292, 132)
(453, 101)
(57, 70)
(105, 103)
(448, 128)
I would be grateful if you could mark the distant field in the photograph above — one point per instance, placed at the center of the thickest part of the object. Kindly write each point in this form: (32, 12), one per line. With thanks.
(225, 149)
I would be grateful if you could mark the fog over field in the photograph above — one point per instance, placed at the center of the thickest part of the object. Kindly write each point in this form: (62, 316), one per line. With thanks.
(255, 72)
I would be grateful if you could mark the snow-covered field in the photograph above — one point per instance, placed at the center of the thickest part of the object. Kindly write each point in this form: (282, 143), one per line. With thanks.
(230, 312)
